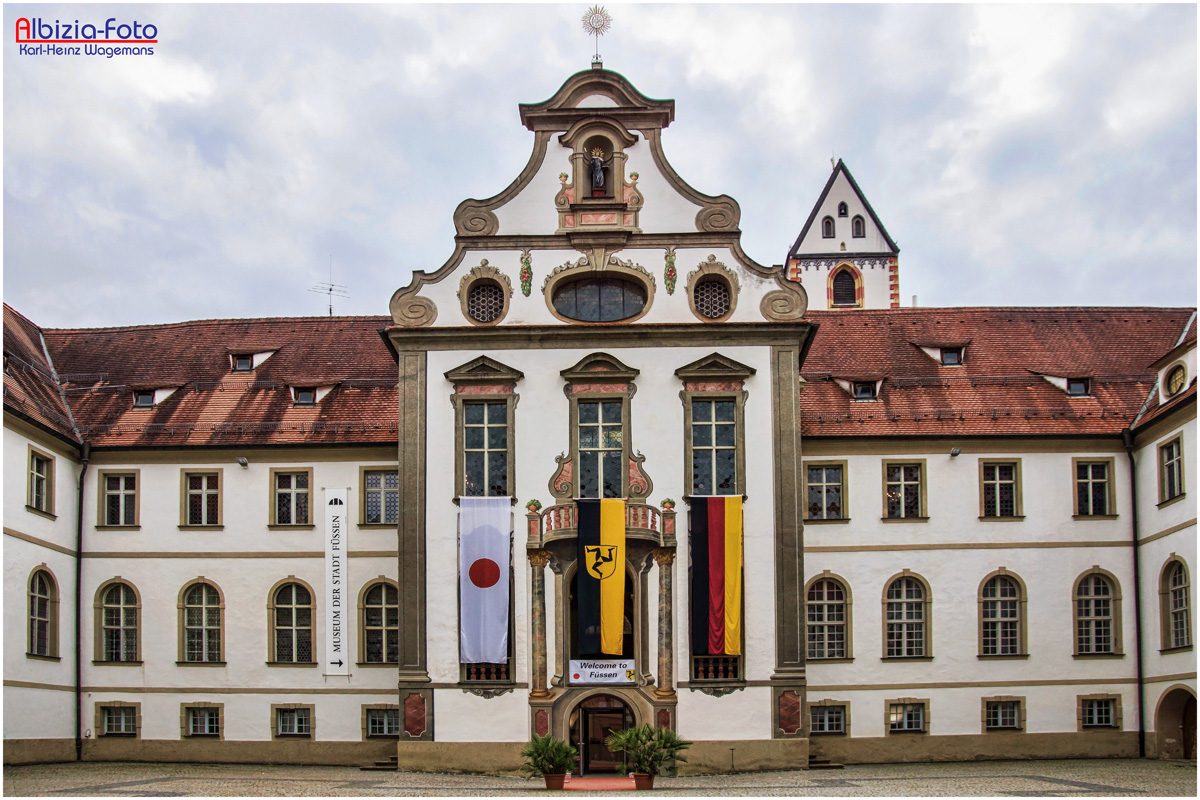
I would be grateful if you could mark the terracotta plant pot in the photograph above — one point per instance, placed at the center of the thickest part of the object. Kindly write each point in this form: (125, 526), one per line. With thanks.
(642, 780)
(555, 782)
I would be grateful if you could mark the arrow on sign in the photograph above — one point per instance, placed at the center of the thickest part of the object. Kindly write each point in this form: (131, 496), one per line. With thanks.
(337, 663)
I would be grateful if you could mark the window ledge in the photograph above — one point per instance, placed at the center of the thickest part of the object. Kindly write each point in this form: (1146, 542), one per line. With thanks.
(826, 521)
(906, 658)
(1003, 656)
(118, 527)
(374, 664)
(843, 660)
(390, 526)
(1090, 656)
(1186, 648)
(1003, 730)
(1083, 517)
(202, 736)
(291, 663)
(293, 736)
(41, 512)
(371, 736)
(1002, 519)
(903, 733)
(40, 657)
(1086, 728)
(826, 733)
(117, 735)
(905, 519)
(1163, 504)
(290, 527)
(201, 527)
(116, 663)
(199, 663)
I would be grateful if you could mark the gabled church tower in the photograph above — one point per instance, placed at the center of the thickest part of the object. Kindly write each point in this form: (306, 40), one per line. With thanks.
(843, 255)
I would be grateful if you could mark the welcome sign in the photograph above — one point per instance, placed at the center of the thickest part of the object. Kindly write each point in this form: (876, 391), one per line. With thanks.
(606, 671)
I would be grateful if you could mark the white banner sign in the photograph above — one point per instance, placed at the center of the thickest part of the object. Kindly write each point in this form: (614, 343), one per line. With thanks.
(614, 671)
(337, 603)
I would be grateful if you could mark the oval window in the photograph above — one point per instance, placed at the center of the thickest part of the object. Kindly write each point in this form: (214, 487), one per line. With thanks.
(600, 300)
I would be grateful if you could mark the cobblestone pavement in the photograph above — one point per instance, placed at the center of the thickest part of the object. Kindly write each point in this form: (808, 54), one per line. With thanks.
(991, 778)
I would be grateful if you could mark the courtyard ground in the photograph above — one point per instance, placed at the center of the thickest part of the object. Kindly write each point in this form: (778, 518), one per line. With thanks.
(1130, 777)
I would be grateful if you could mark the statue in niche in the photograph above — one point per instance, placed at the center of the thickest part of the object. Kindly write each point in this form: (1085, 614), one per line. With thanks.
(598, 165)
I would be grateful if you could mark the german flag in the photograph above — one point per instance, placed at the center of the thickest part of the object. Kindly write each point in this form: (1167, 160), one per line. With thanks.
(716, 549)
(601, 576)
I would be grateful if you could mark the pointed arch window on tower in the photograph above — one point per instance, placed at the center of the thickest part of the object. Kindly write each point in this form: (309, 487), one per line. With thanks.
(858, 228)
(843, 289)
(843, 210)
(827, 228)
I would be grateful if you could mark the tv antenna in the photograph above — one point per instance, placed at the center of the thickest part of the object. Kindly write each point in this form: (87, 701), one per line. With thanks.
(330, 289)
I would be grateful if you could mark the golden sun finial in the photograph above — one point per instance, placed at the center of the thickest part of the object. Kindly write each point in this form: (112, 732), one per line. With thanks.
(597, 22)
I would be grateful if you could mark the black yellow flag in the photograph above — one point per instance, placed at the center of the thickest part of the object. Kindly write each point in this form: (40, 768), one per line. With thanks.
(601, 576)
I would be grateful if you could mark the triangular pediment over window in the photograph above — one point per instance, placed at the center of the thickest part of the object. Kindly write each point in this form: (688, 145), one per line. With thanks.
(715, 365)
(484, 370)
(600, 365)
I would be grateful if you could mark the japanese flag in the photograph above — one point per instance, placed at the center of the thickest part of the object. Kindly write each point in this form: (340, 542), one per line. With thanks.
(485, 524)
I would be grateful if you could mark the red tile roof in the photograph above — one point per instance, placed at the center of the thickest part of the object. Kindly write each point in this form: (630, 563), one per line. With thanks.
(998, 391)
(29, 386)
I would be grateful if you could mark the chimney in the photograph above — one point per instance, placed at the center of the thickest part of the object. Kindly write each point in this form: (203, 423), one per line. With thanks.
(914, 301)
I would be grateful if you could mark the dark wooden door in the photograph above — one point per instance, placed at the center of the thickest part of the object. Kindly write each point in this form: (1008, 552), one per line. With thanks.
(1189, 728)
(598, 723)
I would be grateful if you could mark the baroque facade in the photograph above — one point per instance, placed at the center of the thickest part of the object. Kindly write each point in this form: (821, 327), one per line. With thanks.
(238, 540)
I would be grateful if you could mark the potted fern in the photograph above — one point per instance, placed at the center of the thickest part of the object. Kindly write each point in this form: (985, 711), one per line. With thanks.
(646, 750)
(549, 757)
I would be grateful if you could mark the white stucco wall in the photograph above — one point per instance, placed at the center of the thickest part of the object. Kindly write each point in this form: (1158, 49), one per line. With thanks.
(814, 242)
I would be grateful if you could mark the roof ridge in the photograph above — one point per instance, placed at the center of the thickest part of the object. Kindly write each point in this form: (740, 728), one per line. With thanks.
(225, 320)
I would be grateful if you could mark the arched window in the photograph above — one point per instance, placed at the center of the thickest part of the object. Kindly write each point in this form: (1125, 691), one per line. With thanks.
(827, 228)
(858, 228)
(119, 612)
(842, 209)
(380, 615)
(1175, 597)
(292, 624)
(200, 611)
(906, 617)
(1097, 614)
(43, 614)
(844, 293)
(1001, 616)
(828, 612)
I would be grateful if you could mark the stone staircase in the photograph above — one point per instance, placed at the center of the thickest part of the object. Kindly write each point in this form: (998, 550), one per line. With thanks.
(384, 765)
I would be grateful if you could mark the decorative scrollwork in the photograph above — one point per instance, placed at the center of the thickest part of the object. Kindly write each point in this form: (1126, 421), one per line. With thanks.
(486, 694)
(410, 311)
(788, 303)
(471, 220)
(561, 483)
(716, 691)
(577, 263)
(630, 265)
(722, 215)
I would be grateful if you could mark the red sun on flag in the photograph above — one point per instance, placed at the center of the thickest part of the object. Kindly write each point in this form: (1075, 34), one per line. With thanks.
(575, 676)
(484, 573)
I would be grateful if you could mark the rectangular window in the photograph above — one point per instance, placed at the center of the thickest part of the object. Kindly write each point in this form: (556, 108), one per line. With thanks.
(601, 447)
(381, 496)
(41, 482)
(1078, 387)
(143, 399)
(1170, 459)
(119, 499)
(1099, 713)
(714, 447)
(906, 717)
(826, 495)
(903, 491)
(485, 449)
(383, 722)
(952, 356)
(291, 498)
(243, 363)
(1000, 489)
(828, 719)
(293, 721)
(204, 721)
(306, 396)
(864, 390)
(1092, 489)
(203, 498)
(119, 720)
(1002, 715)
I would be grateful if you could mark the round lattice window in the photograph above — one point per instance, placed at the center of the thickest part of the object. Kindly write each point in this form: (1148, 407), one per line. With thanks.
(712, 298)
(485, 301)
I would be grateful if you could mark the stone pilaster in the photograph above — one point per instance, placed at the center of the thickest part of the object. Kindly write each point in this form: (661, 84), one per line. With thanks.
(538, 559)
(665, 558)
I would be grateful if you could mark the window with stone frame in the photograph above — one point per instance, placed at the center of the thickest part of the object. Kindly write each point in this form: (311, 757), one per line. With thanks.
(292, 490)
(202, 498)
(828, 617)
(906, 618)
(1175, 599)
(904, 491)
(381, 496)
(1093, 488)
(380, 616)
(485, 402)
(1170, 476)
(118, 720)
(43, 614)
(1000, 484)
(1000, 603)
(41, 482)
(601, 435)
(118, 499)
(293, 721)
(1002, 715)
(292, 624)
(827, 719)
(382, 723)
(826, 491)
(1097, 615)
(118, 618)
(908, 717)
(200, 613)
(1098, 712)
(203, 721)
(714, 446)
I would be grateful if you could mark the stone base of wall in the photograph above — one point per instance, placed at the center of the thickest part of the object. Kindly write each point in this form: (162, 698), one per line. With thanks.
(38, 751)
(749, 755)
(215, 751)
(982, 747)
(489, 758)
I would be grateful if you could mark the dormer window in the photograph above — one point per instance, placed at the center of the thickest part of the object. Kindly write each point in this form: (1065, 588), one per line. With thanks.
(864, 390)
(1176, 380)
(858, 228)
(243, 363)
(827, 228)
(306, 396)
(843, 210)
(952, 356)
(143, 399)
(1078, 387)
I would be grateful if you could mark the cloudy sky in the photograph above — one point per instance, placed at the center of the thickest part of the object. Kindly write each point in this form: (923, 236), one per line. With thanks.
(1019, 155)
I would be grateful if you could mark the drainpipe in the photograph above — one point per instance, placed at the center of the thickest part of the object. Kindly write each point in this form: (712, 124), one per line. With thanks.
(1127, 437)
(85, 456)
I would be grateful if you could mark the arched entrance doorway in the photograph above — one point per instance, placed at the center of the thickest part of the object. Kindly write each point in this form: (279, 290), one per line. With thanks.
(591, 722)
(1175, 724)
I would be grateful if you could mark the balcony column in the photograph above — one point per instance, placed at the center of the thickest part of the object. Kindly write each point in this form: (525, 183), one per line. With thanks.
(665, 558)
(538, 559)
